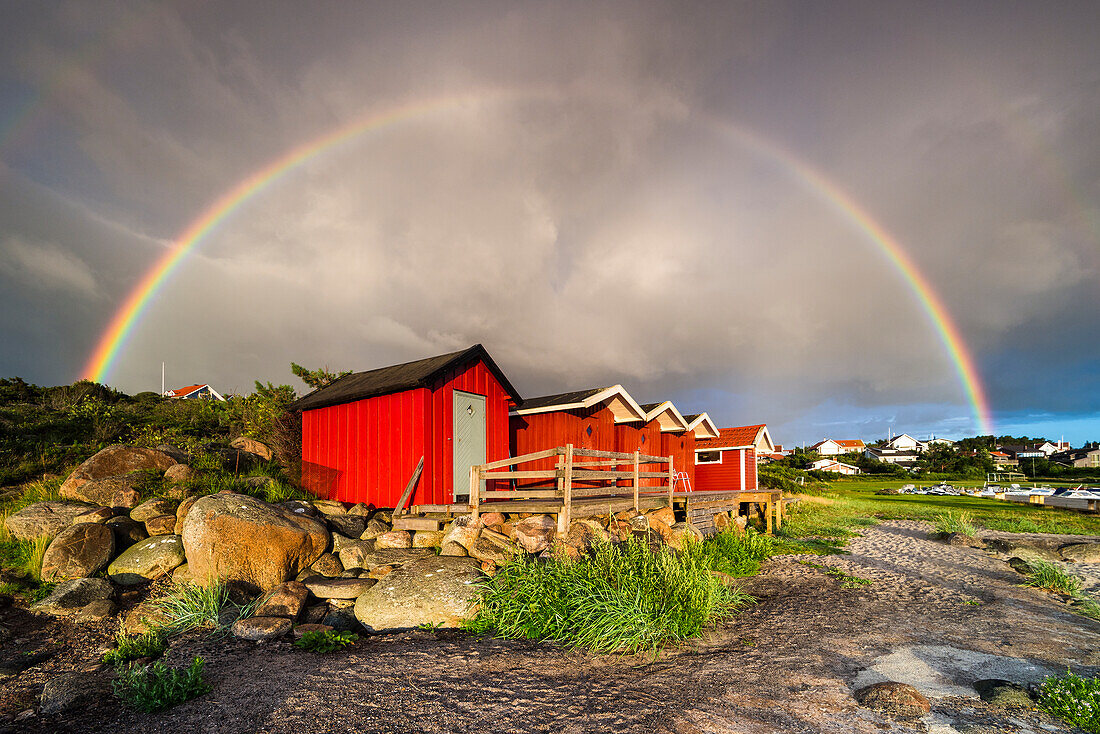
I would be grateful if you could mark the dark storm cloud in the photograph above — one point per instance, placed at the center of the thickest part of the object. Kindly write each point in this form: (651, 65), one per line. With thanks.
(595, 225)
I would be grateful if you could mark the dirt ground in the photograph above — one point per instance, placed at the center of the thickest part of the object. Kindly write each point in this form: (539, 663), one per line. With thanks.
(935, 616)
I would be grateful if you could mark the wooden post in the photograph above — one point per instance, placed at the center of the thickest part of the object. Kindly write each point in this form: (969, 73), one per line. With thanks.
(475, 490)
(636, 509)
(563, 524)
(400, 509)
(567, 485)
(768, 509)
(778, 510)
(671, 481)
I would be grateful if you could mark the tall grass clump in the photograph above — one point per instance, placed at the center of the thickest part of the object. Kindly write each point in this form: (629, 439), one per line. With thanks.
(1072, 698)
(1050, 577)
(191, 606)
(733, 553)
(157, 687)
(623, 598)
(131, 647)
(955, 522)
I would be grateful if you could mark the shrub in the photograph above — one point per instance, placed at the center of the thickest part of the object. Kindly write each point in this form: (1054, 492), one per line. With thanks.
(733, 553)
(326, 640)
(130, 647)
(1051, 577)
(157, 687)
(955, 522)
(625, 598)
(190, 606)
(1072, 698)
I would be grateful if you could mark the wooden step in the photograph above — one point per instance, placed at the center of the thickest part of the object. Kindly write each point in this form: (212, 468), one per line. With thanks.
(417, 523)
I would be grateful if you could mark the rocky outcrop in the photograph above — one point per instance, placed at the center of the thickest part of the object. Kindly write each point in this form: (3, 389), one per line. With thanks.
(147, 560)
(78, 551)
(1081, 552)
(240, 538)
(155, 507)
(161, 525)
(114, 461)
(536, 533)
(251, 446)
(435, 591)
(44, 518)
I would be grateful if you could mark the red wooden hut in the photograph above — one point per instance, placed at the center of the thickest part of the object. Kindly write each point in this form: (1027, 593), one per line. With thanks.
(588, 419)
(666, 434)
(729, 461)
(363, 435)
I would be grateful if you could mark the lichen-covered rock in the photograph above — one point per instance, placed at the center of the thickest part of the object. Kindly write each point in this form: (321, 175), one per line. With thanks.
(251, 446)
(394, 539)
(427, 538)
(327, 565)
(147, 560)
(464, 530)
(143, 618)
(374, 527)
(259, 629)
(664, 514)
(98, 515)
(113, 461)
(184, 507)
(96, 611)
(340, 588)
(161, 525)
(330, 507)
(78, 551)
(349, 525)
(436, 591)
(179, 473)
(68, 691)
(240, 538)
(536, 533)
(154, 508)
(44, 518)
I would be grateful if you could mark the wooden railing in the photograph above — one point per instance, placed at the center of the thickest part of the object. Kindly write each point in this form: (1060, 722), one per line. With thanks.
(558, 482)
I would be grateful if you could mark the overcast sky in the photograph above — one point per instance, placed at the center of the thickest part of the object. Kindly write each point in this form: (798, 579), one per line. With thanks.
(599, 193)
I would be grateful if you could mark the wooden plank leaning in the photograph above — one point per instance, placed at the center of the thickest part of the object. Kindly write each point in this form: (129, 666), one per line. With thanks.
(400, 509)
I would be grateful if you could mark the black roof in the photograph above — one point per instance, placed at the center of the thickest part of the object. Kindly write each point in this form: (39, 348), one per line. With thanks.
(399, 377)
(648, 407)
(565, 398)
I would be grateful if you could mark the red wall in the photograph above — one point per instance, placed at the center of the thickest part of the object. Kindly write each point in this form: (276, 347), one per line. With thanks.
(585, 428)
(681, 447)
(644, 438)
(365, 451)
(727, 475)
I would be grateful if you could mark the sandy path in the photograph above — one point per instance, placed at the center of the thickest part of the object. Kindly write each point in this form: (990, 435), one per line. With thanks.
(785, 665)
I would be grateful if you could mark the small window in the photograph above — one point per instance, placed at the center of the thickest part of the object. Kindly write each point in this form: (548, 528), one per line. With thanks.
(708, 457)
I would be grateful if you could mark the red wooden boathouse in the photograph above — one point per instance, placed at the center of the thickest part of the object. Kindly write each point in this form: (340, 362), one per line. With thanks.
(728, 462)
(363, 435)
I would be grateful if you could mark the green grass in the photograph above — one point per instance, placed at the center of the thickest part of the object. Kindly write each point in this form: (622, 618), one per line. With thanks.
(623, 598)
(1049, 577)
(955, 522)
(1072, 698)
(855, 499)
(24, 557)
(847, 580)
(189, 606)
(131, 647)
(157, 687)
(733, 553)
(326, 640)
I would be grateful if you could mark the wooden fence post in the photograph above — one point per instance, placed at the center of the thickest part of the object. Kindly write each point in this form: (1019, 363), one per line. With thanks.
(475, 490)
(567, 485)
(671, 481)
(636, 453)
(559, 469)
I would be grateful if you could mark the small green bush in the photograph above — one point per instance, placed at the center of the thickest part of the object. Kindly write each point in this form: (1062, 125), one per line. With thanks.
(1072, 698)
(157, 687)
(326, 640)
(733, 553)
(623, 598)
(1050, 577)
(130, 647)
(955, 522)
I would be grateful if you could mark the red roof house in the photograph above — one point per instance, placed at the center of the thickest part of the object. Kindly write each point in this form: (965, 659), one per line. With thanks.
(194, 392)
(729, 461)
(363, 434)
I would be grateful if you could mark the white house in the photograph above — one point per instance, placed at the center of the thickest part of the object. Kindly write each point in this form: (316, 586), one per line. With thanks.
(831, 447)
(194, 392)
(905, 442)
(834, 466)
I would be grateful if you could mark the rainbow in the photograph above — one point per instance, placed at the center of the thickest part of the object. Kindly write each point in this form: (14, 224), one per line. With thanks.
(126, 318)
(930, 301)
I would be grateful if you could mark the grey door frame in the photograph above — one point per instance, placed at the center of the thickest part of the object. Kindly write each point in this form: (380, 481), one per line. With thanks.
(461, 478)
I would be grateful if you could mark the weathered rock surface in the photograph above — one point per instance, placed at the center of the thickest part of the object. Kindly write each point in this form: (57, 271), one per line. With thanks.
(103, 491)
(434, 591)
(78, 551)
(340, 588)
(148, 559)
(361, 509)
(681, 533)
(155, 507)
(342, 620)
(161, 525)
(374, 527)
(492, 518)
(243, 539)
(97, 611)
(895, 699)
(1081, 552)
(97, 515)
(664, 514)
(127, 532)
(364, 555)
(251, 446)
(394, 539)
(494, 550)
(327, 565)
(428, 538)
(259, 629)
(1002, 693)
(1027, 551)
(142, 618)
(70, 597)
(285, 600)
(44, 518)
(182, 509)
(114, 461)
(67, 691)
(125, 497)
(536, 533)
(349, 525)
(179, 473)
(330, 507)
(464, 530)
(300, 507)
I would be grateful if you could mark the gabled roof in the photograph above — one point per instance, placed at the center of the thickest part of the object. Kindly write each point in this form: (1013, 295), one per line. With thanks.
(666, 414)
(849, 443)
(624, 407)
(183, 392)
(702, 425)
(399, 377)
(740, 437)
